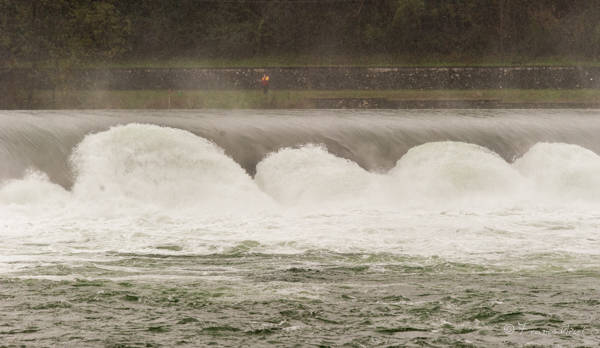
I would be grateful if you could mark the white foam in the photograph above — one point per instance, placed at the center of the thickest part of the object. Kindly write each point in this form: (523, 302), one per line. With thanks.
(562, 171)
(163, 167)
(451, 171)
(131, 168)
(34, 189)
(310, 175)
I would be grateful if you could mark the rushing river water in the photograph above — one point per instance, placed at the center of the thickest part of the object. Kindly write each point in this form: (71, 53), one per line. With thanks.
(322, 228)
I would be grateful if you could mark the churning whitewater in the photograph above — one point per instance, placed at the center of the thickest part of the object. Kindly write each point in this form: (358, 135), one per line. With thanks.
(144, 165)
(135, 186)
(330, 228)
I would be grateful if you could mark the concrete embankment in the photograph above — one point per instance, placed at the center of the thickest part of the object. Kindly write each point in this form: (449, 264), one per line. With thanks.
(317, 78)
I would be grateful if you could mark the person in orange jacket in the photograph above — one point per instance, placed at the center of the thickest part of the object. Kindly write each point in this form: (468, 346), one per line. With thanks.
(265, 82)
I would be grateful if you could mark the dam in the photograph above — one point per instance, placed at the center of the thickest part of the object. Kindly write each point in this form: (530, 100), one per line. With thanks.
(337, 227)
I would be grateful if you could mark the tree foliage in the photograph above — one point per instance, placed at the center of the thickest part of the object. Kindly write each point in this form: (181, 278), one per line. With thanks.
(61, 30)
(56, 35)
(67, 30)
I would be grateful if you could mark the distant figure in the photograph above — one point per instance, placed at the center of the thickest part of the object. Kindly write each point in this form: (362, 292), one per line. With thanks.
(265, 82)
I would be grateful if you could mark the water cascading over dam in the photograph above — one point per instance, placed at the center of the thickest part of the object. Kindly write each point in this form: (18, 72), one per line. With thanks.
(305, 226)
(375, 141)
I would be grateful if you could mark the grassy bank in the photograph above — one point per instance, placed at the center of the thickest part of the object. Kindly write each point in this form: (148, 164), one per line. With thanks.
(288, 99)
(317, 61)
(343, 61)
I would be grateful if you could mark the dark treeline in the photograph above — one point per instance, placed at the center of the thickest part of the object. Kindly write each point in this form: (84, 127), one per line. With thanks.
(71, 31)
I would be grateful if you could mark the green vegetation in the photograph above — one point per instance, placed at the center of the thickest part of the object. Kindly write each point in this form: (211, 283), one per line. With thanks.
(328, 32)
(288, 99)
(340, 61)
(57, 36)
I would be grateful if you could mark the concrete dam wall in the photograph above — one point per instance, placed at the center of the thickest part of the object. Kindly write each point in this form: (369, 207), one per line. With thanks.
(319, 78)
